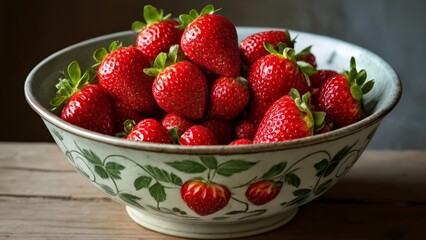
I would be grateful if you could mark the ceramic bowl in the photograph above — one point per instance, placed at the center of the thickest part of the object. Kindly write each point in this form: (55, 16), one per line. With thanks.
(146, 178)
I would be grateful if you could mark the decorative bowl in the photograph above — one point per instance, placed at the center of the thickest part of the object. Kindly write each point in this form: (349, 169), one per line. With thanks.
(146, 178)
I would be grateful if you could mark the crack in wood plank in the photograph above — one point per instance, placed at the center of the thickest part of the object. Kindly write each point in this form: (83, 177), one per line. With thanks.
(37, 169)
(54, 197)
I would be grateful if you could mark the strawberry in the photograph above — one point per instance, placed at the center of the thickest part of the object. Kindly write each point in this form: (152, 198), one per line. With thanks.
(181, 124)
(307, 56)
(317, 79)
(205, 197)
(198, 135)
(211, 41)
(228, 97)
(179, 87)
(122, 113)
(251, 48)
(341, 96)
(263, 191)
(272, 76)
(157, 34)
(221, 128)
(321, 75)
(245, 129)
(149, 130)
(86, 105)
(121, 74)
(241, 141)
(288, 118)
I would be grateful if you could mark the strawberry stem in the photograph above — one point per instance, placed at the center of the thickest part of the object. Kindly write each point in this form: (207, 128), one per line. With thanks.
(186, 19)
(151, 16)
(357, 80)
(164, 60)
(129, 124)
(70, 83)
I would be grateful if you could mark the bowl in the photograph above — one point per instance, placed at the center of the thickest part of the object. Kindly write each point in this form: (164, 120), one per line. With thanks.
(147, 178)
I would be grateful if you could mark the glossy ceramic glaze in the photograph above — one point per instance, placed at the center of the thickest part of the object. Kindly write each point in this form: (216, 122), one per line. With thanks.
(147, 178)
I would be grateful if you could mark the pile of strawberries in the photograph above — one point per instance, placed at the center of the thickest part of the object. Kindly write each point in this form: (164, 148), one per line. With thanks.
(190, 82)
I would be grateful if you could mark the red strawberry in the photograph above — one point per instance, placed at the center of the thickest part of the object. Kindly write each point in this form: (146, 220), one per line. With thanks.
(157, 34)
(245, 129)
(251, 48)
(341, 96)
(150, 130)
(86, 105)
(172, 120)
(211, 41)
(317, 79)
(122, 113)
(198, 135)
(121, 74)
(272, 76)
(205, 197)
(307, 56)
(321, 75)
(221, 128)
(180, 87)
(228, 97)
(288, 118)
(241, 141)
(263, 191)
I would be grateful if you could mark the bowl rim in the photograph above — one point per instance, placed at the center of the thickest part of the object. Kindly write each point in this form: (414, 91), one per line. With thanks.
(370, 120)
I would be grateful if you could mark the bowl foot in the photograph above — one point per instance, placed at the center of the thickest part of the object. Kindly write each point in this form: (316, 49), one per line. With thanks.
(204, 230)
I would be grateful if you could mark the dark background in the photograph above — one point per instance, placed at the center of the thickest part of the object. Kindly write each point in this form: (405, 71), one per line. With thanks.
(395, 30)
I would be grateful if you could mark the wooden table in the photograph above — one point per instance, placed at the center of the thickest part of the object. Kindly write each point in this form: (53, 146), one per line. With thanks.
(42, 197)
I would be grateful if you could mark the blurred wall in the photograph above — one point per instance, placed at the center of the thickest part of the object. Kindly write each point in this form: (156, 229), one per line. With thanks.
(395, 30)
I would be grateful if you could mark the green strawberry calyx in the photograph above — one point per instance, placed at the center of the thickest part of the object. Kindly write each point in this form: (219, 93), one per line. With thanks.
(151, 16)
(186, 19)
(100, 54)
(129, 125)
(291, 40)
(357, 80)
(315, 120)
(71, 82)
(290, 54)
(164, 60)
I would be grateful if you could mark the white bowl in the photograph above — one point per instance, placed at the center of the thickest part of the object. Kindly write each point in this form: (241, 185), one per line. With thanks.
(141, 177)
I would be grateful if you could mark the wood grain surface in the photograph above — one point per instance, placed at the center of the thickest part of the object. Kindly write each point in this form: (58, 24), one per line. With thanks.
(43, 197)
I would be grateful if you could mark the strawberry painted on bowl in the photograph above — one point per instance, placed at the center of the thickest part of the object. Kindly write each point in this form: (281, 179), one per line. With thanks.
(247, 189)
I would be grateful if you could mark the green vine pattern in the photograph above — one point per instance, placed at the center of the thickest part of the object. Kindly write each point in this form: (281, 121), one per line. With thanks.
(157, 181)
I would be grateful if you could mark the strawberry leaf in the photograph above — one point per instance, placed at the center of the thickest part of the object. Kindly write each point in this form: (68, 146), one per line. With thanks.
(209, 161)
(302, 192)
(162, 175)
(101, 172)
(74, 72)
(129, 124)
(70, 83)
(209, 9)
(187, 166)
(270, 48)
(234, 166)
(114, 169)
(138, 25)
(292, 179)
(356, 92)
(186, 19)
(319, 120)
(157, 192)
(100, 54)
(275, 170)
(131, 199)
(142, 182)
(151, 14)
(367, 86)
